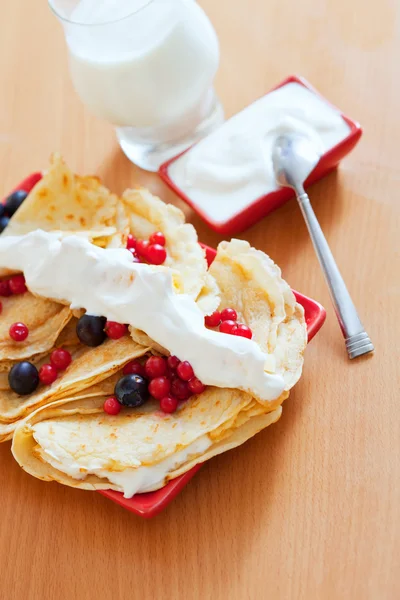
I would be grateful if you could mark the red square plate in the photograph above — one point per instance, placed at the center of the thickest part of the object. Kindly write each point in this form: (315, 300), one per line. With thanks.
(262, 206)
(150, 504)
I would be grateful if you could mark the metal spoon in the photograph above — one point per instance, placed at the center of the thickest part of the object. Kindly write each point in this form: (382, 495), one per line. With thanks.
(294, 157)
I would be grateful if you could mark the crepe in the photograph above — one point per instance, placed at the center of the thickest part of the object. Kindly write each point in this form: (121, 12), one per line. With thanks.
(251, 282)
(147, 214)
(142, 445)
(45, 320)
(89, 367)
(62, 201)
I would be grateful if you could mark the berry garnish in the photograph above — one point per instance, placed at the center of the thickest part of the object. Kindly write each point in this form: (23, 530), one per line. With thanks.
(60, 359)
(90, 330)
(180, 389)
(244, 331)
(14, 201)
(156, 254)
(132, 390)
(185, 371)
(23, 378)
(141, 248)
(18, 332)
(157, 238)
(131, 242)
(213, 320)
(5, 289)
(17, 284)
(111, 406)
(196, 386)
(228, 327)
(47, 374)
(114, 330)
(155, 366)
(2, 210)
(169, 404)
(134, 368)
(159, 387)
(228, 314)
(173, 362)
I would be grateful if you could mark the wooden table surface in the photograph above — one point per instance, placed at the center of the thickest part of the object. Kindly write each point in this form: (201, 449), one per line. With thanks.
(310, 508)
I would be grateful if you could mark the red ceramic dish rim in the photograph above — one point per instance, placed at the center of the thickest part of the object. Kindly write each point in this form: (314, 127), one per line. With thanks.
(285, 194)
(149, 504)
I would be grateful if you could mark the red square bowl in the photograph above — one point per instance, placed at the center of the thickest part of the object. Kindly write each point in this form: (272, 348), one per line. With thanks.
(150, 504)
(265, 204)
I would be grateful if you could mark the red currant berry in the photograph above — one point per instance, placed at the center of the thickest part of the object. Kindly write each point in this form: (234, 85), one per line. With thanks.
(131, 242)
(156, 254)
(169, 404)
(170, 373)
(155, 366)
(173, 362)
(60, 359)
(228, 314)
(141, 248)
(47, 374)
(17, 284)
(111, 406)
(228, 327)
(134, 368)
(244, 331)
(159, 387)
(114, 330)
(180, 389)
(213, 320)
(5, 289)
(19, 332)
(157, 238)
(196, 386)
(185, 371)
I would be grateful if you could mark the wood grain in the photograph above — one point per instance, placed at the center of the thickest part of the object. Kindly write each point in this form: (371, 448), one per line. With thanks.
(309, 509)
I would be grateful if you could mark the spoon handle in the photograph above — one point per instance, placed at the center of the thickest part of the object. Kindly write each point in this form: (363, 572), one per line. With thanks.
(357, 339)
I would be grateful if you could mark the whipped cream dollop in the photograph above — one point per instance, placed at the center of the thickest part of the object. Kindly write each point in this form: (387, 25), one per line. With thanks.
(130, 481)
(106, 282)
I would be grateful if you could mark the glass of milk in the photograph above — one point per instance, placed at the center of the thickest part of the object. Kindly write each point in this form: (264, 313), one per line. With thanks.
(147, 67)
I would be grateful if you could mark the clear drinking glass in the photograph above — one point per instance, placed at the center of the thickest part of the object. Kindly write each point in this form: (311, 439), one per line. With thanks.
(146, 66)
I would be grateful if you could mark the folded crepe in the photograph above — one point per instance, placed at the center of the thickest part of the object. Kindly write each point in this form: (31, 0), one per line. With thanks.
(45, 320)
(89, 366)
(74, 442)
(139, 450)
(147, 214)
(65, 202)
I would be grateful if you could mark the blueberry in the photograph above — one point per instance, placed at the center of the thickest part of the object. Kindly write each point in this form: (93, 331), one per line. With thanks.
(132, 390)
(4, 221)
(23, 378)
(2, 210)
(90, 330)
(14, 201)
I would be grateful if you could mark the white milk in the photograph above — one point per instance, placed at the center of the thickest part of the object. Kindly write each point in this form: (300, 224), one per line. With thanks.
(142, 64)
(232, 167)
